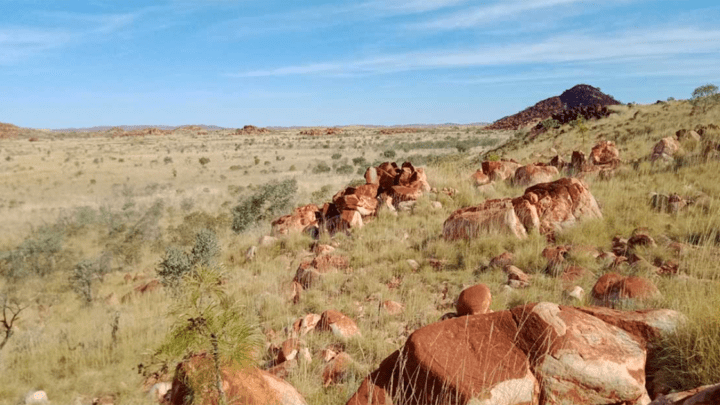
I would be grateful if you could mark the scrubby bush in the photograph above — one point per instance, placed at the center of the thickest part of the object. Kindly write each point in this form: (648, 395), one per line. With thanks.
(322, 195)
(177, 263)
(85, 272)
(360, 161)
(321, 167)
(36, 255)
(336, 156)
(389, 154)
(268, 201)
(344, 169)
(203, 161)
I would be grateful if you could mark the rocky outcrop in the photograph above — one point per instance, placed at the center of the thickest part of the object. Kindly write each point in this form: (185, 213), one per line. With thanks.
(540, 354)
(545, 206)
(388, 183)
(582, 99)
(605, 153)
(297, 221)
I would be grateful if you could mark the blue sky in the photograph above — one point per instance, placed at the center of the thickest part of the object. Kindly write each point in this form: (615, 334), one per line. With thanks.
(67, 63)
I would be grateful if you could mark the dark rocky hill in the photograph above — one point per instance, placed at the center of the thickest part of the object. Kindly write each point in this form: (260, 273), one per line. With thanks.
(579, 96)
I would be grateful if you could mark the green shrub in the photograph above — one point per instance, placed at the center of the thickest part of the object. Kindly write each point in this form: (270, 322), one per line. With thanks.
(267, 202)
(36, 255)
(344, 169)
(321, 167)
(203, 161)
(336, 156)
(360, 161)
(389, 154)
(322, 195)
(85, 272)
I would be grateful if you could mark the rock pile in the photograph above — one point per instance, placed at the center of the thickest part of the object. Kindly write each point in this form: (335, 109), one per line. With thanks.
(321, 131)
(251, 130)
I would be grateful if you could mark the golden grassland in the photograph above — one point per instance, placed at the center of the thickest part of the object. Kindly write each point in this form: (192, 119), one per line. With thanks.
(66, 347)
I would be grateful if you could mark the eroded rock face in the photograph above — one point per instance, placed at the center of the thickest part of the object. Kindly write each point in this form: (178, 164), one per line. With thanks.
(540, 354)
(249, 386)
(705, 395)
(533, 174)
(297, 221)
(479, 178)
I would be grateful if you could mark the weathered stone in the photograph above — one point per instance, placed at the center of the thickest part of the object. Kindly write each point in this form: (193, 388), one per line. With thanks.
(297, 221)
(474, 300)
(339, 324)
(533, 174)
(492, 216)
(248, 386)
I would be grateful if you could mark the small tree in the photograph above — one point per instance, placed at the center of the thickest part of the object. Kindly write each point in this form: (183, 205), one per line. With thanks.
(208, 320)
(85, 273)
(705, 97)
(271, 199)
(10, 314)
(177, 262)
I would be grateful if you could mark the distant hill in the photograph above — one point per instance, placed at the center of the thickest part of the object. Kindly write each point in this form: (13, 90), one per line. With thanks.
(135, 127)
(582, 95)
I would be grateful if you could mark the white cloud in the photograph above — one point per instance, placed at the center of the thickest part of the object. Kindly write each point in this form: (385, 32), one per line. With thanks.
(490, 14)
(566, 48)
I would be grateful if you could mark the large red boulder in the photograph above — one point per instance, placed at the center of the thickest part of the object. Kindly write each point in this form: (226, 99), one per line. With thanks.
(546, 206)
(492, 216)
(452, 362)
(535, 173)
(297, 221)
(557, 205)
(249, 386)
(535, 354)
(612, 289)
(500, 169)
(579, 359)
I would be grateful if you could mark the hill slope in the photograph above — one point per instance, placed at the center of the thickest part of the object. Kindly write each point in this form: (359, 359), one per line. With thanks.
(580, 95)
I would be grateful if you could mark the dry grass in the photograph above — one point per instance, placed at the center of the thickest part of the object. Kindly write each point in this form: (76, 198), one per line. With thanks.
(66, 349)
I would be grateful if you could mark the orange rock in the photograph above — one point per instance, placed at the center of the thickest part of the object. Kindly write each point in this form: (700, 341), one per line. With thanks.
(336, 369)
(248, 386)
(337, 323)
(533, 174)
(474, 300)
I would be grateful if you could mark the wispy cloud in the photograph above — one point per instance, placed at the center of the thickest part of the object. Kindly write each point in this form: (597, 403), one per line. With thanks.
(558, 49)
(490, 14)
(18, 43)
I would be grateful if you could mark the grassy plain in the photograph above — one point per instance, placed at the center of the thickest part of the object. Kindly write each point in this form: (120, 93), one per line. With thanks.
(152, 192)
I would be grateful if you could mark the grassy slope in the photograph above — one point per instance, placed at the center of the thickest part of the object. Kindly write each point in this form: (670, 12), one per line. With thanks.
(64, 347)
